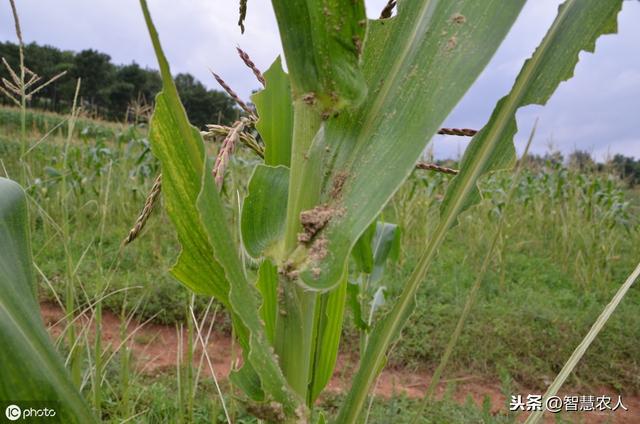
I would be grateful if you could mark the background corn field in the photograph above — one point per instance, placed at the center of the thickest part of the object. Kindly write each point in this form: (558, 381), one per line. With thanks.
(334, 273)
(571, 238)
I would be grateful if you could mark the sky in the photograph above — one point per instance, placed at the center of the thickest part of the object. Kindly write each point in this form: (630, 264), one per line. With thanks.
(598, 110)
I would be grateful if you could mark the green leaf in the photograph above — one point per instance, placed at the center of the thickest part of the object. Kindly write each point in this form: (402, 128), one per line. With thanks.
(268, 286)
(294, 334)
(243, 297)
(385, 245)
(196, 266)
(179, 147)
(418, 65)
(275, 111)
(52, 172)
(321, 418)
(353, 292)
(247, 380)
(30, 367)
(265, 210)
(322, 41)
(329, 316)
(362, 252)
(577, 26)
(209, 262)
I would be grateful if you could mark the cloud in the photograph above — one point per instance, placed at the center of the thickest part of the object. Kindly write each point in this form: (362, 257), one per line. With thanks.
(196, 35)
(596, 110)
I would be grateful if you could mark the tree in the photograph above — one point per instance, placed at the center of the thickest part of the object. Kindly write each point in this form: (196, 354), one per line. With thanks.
(204, 106)
(627, 168)
(97, 72)
(109, 89)
(582, 161)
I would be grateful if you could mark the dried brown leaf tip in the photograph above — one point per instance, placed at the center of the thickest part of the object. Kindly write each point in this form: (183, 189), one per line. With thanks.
(314, 220)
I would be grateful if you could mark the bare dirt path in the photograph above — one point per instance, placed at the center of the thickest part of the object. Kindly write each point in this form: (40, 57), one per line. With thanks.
(155, 349)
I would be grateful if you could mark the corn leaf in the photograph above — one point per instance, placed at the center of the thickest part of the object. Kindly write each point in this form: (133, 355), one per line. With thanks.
(265, 210)
(322, 41)
(353, 301)
(208, 262)
(385, 246)
(295, 332)
(362, 252)
(577, 26)
(180, 149)
(181, 176)
(275, 111)
(243, 297)
(329, 316)
(247, 380)
(417, 66)
(321, 418)
(268, 286)
(197, 266)
(30, 367)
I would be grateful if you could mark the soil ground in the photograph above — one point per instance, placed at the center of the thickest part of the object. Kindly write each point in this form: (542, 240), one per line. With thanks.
(155, 350)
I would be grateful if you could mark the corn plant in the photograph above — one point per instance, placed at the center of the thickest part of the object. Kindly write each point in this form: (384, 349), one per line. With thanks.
(342, 131)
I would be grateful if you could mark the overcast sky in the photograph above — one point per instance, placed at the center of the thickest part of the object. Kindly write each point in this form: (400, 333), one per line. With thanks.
(598, 110)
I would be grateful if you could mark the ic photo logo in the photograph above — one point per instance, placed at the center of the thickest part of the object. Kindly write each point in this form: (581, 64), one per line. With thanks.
(13, 412)
(33, 410)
